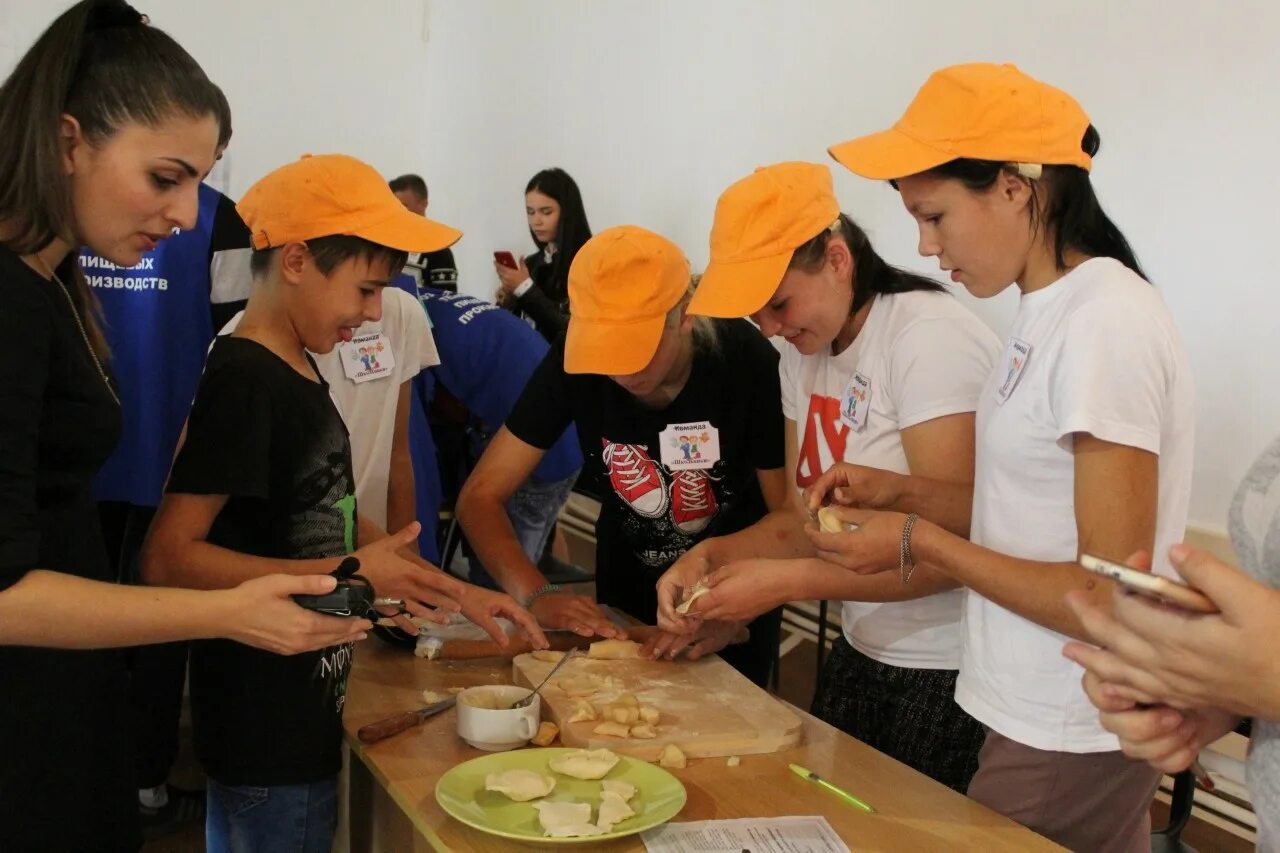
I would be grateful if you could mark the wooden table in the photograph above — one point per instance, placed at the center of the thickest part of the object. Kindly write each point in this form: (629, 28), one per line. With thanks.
(393, 804)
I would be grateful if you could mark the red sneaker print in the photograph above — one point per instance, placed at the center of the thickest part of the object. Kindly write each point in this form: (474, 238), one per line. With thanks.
(693, 503)
(635, 478)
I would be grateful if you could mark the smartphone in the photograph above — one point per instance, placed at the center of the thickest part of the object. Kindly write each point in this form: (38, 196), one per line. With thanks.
(1160, 588)
(506, 259)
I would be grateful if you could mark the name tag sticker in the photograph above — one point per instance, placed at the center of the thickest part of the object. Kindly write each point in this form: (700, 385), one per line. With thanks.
(690, 446)
(856, 402)
(1015, 361)
(367, 357)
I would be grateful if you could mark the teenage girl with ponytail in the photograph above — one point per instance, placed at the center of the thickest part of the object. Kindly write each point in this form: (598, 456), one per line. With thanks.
(881, 368)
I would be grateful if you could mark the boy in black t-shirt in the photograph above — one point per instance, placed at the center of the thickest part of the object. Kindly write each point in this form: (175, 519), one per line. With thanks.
(263, 483)
(680, 424)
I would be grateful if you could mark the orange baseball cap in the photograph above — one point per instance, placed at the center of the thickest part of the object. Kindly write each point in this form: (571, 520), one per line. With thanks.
(760, 221)
(328, 194)
(622, 284)
(980, 111)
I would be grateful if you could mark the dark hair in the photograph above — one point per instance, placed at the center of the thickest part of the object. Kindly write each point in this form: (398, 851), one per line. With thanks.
(412, 183)
(872, 274)
(573, 230)
(1071, 211)
(329, 252)
(101, 63)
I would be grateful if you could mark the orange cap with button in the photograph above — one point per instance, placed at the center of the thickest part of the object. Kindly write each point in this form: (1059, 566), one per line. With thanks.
(979, 111)
(760, 221)
(622, 284)
(325, 195)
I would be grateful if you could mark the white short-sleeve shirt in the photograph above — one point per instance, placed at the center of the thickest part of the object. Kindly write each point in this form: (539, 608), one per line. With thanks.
(919, 356)
(1095, 352)
(369, 407)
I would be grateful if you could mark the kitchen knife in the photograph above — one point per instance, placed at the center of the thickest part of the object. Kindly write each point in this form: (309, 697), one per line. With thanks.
(383, 729)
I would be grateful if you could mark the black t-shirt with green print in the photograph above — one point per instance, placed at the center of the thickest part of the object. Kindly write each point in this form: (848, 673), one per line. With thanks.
(273, 442)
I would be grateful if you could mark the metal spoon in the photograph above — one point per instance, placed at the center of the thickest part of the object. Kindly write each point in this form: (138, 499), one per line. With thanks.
(528, 700)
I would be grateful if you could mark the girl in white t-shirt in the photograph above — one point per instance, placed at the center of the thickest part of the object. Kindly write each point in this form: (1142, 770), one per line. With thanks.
(883, 368)
(1084, 437)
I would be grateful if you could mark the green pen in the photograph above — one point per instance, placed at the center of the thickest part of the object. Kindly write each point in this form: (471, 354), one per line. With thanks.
(806, 773)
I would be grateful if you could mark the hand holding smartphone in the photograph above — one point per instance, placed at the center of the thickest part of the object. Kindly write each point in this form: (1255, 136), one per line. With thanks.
(506, 259)
(1165, 590)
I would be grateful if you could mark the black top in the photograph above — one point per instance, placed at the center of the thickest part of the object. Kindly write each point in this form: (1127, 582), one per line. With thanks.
(546, 303)
(63, 710)
(434, 269)
(653, 511)
(229, 234)
(271, 440)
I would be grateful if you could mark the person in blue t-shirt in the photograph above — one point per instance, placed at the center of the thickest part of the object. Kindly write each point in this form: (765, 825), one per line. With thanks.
(486, 357)
(159, 317)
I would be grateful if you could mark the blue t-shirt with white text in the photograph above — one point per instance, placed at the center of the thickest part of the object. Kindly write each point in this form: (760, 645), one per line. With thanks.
(486, 357)
(158, 322)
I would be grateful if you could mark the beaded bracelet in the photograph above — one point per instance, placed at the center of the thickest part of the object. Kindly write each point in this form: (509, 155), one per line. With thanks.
(539, 592)
(906, 564)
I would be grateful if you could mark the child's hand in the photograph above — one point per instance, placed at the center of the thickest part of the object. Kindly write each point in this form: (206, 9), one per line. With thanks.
(259, 613)
(482, 606)
(710, 638)
(419, 584)
(578, 613)
(873, 546)
(743, 590)
(846, 484)
(680, 579)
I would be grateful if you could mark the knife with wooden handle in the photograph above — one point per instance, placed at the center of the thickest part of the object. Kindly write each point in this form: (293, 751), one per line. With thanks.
(383, 729)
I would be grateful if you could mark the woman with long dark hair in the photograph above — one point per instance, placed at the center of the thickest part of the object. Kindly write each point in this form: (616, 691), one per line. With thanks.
(107, 127)
(538, 286)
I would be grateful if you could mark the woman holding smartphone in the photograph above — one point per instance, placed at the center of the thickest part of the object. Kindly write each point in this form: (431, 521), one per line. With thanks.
(1084, 438)
(537, 287)
(106, 128)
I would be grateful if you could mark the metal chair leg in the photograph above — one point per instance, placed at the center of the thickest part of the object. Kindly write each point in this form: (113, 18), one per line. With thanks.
(1181, 803)
(822, 633)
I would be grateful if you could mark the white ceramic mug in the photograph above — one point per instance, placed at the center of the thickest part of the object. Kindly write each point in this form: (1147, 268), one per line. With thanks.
(497, 730)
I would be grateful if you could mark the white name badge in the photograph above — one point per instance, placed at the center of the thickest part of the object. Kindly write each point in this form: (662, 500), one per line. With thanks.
(689, 446)
(856, 402)
(1011, 367)
(367, 357)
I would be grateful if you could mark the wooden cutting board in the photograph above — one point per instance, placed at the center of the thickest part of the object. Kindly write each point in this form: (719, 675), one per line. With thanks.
(708, 708)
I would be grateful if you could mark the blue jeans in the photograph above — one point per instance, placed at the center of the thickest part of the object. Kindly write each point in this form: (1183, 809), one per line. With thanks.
(284, 818)
(532, 510)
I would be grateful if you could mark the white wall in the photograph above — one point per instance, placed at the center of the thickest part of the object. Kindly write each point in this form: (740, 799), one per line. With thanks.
(656, 105)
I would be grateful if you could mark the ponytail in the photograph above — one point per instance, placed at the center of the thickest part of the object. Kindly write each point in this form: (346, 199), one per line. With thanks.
(872, 274)
(1070, 212)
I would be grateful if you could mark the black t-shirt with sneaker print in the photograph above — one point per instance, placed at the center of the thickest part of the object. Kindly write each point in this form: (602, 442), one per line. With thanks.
(669, 477)
(271, 440)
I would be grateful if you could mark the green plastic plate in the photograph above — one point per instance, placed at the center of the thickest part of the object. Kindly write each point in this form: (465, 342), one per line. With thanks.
(460, 792)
